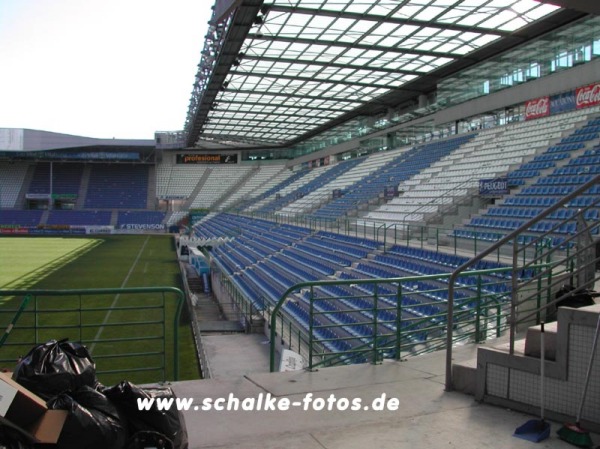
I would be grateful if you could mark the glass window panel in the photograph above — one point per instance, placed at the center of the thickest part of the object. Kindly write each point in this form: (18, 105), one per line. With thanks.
(408, 11)
(429, 13)
(474, 19)
(499, 19)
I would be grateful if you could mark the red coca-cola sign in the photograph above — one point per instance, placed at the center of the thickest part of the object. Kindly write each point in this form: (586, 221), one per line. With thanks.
(587, 96)
(540, 107)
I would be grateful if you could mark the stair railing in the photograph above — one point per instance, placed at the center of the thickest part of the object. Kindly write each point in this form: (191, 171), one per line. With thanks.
(566, 247)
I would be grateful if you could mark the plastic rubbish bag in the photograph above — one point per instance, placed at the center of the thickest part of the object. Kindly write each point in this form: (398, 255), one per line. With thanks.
(93, 421)
(55, 367)
(169, 422)
(12, 439)
(147, 439)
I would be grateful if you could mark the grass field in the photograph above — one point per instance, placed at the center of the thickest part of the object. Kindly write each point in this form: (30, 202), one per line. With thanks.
(125, 340)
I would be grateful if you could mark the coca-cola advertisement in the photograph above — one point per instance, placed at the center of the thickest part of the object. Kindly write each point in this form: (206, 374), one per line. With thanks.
(587, 96)
(540, 107)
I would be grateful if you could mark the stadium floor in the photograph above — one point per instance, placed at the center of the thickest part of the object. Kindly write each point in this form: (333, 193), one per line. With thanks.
(426, 417)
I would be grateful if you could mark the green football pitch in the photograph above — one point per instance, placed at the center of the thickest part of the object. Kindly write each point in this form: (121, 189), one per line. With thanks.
(130, 335)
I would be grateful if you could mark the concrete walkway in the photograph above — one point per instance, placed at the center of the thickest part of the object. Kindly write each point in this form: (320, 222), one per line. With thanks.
(232, 356)
(424, 415)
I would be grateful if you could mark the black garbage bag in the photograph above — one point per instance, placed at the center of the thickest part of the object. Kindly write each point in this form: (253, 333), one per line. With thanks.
(147, 439)
(580, 299)
(55, 367)
(12, 439)
(169, 423)
(93, 421)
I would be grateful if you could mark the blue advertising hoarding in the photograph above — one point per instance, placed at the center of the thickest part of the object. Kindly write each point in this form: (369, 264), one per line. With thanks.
(493, 187)
(562, 102)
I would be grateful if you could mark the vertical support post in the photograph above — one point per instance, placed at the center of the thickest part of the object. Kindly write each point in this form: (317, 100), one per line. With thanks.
(164, 339)
(80, 320)
(399, 321)
(310, 328)
(375, 322)
(478, 311)
(36, 324)
(384, 238)
(180, 301)
(513, 297)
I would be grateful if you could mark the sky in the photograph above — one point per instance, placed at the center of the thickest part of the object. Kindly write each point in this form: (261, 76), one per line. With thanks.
(99, 68)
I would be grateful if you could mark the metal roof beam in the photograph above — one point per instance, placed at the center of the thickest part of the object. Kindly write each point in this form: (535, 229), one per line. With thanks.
(387, 19)
(427, 84)
(381, 48)
(216, 121)
(332, 64)
(322, 80)
(245, 139)
(280, 114)
(223, 8)
(243, 19)
(591, 7)
(312, 97)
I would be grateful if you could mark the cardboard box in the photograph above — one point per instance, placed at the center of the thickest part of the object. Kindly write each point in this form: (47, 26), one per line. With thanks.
(28, 413)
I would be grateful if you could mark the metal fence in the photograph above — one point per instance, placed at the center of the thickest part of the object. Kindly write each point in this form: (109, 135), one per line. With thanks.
(131, 332)
(357, 321)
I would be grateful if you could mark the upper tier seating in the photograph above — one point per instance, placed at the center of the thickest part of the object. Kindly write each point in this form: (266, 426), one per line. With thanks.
(12, 177)
(345, 181)
(263, 178)
(66, 178)
(541, 182)
(274, 187)
(324, 177)
(177, 180)
(287, 191)
(219, 181)
(117, 186)
(403, 168)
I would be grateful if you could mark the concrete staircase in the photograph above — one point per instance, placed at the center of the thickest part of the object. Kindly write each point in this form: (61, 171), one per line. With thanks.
(83, 187)
(497, 377)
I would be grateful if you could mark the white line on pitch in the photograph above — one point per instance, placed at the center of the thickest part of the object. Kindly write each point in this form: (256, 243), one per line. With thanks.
(114, 303)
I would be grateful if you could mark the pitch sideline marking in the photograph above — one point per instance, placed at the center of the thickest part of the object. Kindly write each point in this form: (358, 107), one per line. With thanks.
(114, 303)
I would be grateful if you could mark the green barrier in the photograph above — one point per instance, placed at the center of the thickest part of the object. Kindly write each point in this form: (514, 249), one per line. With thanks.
(479, 316)
(125, 329)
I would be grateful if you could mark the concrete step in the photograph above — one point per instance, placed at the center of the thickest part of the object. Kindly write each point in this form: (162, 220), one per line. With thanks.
(464, 370)
(532, 341)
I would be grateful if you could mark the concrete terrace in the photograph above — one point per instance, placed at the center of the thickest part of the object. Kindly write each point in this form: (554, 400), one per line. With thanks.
(427, 416)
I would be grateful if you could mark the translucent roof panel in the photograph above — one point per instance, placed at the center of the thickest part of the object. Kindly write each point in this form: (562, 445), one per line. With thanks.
(305, 62)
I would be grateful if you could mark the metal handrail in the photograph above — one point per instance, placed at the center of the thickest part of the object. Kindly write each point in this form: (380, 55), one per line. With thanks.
(274, 312)
(114, 291)
(462, 185)
(511, 237)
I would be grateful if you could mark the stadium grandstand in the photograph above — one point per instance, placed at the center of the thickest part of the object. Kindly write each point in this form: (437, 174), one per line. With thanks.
(370, 194)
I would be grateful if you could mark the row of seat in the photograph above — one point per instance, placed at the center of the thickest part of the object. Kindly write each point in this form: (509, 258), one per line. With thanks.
(284, 265)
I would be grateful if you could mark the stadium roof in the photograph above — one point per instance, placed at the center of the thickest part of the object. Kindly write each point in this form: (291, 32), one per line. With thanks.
(274, 73)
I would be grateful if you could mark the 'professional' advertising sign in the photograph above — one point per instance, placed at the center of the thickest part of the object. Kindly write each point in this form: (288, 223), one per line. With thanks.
(191, 158)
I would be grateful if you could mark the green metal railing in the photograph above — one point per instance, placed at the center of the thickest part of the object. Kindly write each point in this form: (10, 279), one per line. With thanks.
(409, 234)
(570, 256)
(390, 318)
(541, 261)
(129, 331)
